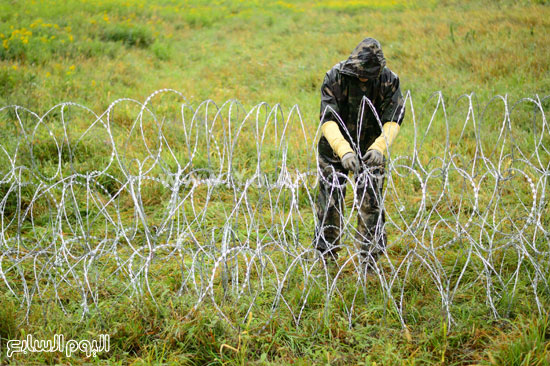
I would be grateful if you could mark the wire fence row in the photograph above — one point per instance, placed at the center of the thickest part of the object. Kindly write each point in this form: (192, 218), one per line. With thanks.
(216, 203)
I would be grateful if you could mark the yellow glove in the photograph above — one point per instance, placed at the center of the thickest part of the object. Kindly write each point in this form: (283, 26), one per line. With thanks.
(335, 138)
(389, 133)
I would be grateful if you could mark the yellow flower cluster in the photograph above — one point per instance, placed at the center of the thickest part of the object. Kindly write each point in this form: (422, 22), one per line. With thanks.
(71, 70)
(21, 35)
(377, 4)
(109, 18)
(40, 23)
(128, 19)
(286, 5)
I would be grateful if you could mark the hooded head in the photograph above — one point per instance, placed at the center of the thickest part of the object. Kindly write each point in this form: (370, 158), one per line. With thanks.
(366, 61)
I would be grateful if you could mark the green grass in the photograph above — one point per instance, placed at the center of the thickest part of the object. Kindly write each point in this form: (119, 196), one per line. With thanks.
(256, 52)
(93, 52)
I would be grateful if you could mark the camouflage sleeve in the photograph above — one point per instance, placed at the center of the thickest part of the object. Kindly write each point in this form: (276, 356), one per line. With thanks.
(330, 109)
(392, 106)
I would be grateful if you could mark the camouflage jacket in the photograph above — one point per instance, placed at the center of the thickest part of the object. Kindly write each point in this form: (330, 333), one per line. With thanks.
(342, 97)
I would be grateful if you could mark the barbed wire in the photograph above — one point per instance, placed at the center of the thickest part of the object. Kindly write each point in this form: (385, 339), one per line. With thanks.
(217, 204)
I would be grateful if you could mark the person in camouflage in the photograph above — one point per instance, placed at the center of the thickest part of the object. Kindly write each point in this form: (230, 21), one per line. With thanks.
(361, 112)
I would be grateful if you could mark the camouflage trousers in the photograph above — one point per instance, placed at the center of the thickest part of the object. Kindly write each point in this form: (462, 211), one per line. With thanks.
(370, 235)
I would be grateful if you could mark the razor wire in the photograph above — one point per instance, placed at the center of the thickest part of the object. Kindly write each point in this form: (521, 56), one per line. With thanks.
(217, 203)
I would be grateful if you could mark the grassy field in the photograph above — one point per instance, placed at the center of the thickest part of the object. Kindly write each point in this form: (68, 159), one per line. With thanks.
(96, 51)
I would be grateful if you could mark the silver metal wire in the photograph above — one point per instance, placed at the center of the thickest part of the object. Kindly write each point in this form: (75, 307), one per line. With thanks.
(217, 204)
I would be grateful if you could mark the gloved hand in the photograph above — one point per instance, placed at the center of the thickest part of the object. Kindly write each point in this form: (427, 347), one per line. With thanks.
(350, 162)
(374, 158)
(381, 144)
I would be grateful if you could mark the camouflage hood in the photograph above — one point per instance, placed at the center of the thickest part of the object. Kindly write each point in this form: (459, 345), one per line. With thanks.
(366, 60)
